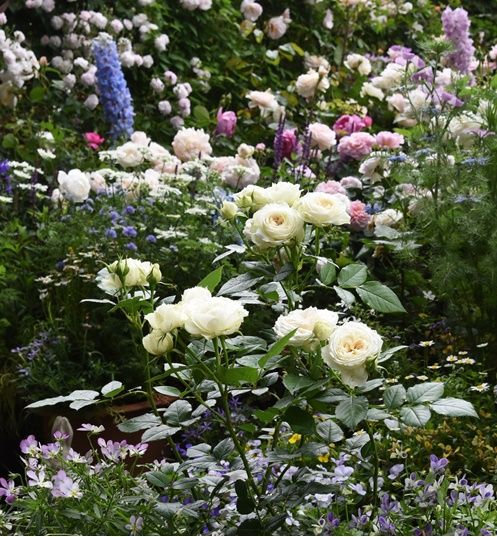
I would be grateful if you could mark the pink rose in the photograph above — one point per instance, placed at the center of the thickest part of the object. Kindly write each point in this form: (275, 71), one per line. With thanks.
(94, 140)
(226, 123)
(348, 124)
(359, 218)
(351, 182)
(356, 146)
(331, 187)
(289, 143)
(389, 140)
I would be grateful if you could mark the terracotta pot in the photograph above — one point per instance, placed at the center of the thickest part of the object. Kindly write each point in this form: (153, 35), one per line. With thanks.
(109, 417)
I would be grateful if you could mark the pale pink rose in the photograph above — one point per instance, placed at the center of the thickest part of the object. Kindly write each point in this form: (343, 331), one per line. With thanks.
(356, 146)
(359, 218)
(351, 182)
(277, 26)
(331, 187)
(389, 140)
(322, 136)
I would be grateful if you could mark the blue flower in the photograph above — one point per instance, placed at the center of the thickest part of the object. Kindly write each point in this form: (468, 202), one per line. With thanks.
(129, 231)
(132, 246)
(151, 238)
(114, 92)
(111, 233)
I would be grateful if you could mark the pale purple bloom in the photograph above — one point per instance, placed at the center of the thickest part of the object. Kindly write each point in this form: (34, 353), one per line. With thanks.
(436, 464)
(90, 428)
(135, 525)
(8, 489)
(37, 479)
(456, 25)
(30, 446)
(65, 487)
(395, 471)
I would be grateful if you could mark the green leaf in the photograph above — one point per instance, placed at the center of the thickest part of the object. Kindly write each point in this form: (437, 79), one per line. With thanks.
(344, 296)
(212, 280)
(380, 297)
(236, 375)
(266, 416)
(425, 392)
(145, 421)
(9, 141)
(238, 284)
(49, 402)
(454, 407)
(112, 388)
(201, 115)
(85, 395)
(329, 431)
(394, 396)
(352, 275)
(386, 355)
(223, 449)
(168, 390)
(299, 420)
(415, 416)
(352, 411)
(276, 348)
(328, 273)
(244, 502)
(178, 412)
(294, 383)
(159, 433)
(37, 94)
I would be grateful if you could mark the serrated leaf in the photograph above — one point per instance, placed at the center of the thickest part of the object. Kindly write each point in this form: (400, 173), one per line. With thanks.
(238, 284)
(212, 280)
(145, 421)
(352, 276)
(299, 420)
(345, 296)
(112, 388)
(454, 407)
(376, 414)
(178, 412)
(394, 396)
(294, 383)
(415, 416)
(425, 392)
(328, 273)
(223, 449)
(329, 431)
(380, 298)
(352, 411)
(160, 432)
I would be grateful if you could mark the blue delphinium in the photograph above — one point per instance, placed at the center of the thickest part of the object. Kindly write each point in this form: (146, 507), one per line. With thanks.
(114, 92)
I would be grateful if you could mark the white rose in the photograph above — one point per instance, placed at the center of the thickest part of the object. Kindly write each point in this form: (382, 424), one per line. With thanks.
(140, 138)
(388, 217)
(307, 84)
(264, 100)
(322, 136)
(323, 209)
(369, 90)
(390, 77)
(166, 317)
(214, 316)
(277, 26)
(97, 182)
(129, 155)
(283, 192)
(245, 151)
(349, 348)
(127, 272)
(252, 197)
(312, 324)
(74, 186)
(359, 63)
(190, 144)
(229, 210)
(241, 172)
(158, 342)
(251, 10)
(273, 225)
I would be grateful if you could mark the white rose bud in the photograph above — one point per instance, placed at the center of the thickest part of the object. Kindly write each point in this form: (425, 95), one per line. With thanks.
(167, 317)
(158, 342)
(229, 210)
(245, 150)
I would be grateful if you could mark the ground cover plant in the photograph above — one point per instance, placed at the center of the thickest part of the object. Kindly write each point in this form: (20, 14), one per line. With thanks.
(248, 267)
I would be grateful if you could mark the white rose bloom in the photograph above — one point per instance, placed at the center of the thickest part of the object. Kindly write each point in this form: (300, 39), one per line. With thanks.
(277, 26)
(131, 272)
(328, 21)
(264, 100)
(158, 342)
(359, 63)
(129, 155)
(390, 77)
(74, 186)
(307, 84)
(245, 151)
(214, 316)
(322, 136)
(167, 317)
(251, 10)
(323, 209)
(252, 197)
(283, 192)
(140, 138)
(273, 225)
(98, 182)
(348, 350)
(388, 217)
(229, 210)
(369, 90)
(190, 144)
(241, 172)
(312, 324)
(464, 127)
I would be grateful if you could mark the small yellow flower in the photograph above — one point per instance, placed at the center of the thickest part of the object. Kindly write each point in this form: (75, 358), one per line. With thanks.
(294, 438)
(324, 458)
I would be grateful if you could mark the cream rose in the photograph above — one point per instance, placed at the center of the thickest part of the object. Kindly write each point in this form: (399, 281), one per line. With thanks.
(158, 342)
(312, 324)
(128, 272)
(348, 350)
(264, 100)
(307, 84)
(283, 192)
(166, 317)
(322, 136)
(252, 197)
(388, 217)
(190, 144)
(74, 186)
(273, 225)
(323, 209)
(211, 317)
(129, 155)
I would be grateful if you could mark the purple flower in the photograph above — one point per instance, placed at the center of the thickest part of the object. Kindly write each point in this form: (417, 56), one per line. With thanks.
(342, 473)
(358, 489)
(395, 471)
(436, 464)
(29, 446)
(360, 521)
(151, 238)
(8, 489)
(456, 25)
(131, 246)
(90, 428)
(135, 525)
(130, 231)
(130, 210)
(65, 487)
(110, 233)
(226, 123)
(289, 143)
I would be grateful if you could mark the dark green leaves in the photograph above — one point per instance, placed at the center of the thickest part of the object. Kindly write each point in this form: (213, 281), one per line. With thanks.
(380, 298)
(352, 411)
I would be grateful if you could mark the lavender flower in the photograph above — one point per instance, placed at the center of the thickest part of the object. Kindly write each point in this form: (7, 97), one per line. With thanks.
(135, 525)
(456, 25)
(436, 464)
(114, 93)
(8, 489)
